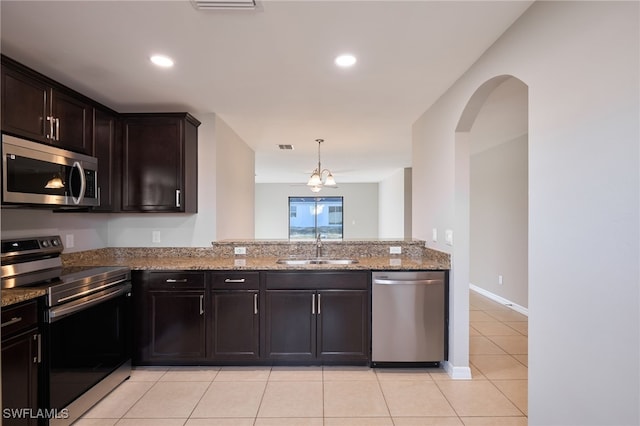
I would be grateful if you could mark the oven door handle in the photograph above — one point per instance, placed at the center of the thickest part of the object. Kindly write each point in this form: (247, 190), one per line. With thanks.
(62, 311)
(93, 290)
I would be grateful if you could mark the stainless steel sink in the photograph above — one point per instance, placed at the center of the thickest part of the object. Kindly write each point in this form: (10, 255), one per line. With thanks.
(316, 261)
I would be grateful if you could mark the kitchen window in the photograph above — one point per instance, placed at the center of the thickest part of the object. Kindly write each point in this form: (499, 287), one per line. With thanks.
(310, 216)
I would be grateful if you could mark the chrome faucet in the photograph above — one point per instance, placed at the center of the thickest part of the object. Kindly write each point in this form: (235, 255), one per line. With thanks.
(318, 246)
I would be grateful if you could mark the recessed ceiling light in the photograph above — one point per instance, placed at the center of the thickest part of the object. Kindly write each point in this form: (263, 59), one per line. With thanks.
(162, 61)
(345, 61)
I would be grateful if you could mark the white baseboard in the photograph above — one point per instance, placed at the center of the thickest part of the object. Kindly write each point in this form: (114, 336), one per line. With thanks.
(457, 373)
(500, 299)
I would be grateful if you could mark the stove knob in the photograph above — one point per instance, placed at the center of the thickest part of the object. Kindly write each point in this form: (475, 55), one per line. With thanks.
(55, 242)
(45, 243)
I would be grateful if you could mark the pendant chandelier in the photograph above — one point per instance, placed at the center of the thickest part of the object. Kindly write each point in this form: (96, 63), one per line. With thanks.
(318, 179)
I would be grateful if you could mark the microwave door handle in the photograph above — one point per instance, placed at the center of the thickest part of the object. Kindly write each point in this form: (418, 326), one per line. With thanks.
(83, 183)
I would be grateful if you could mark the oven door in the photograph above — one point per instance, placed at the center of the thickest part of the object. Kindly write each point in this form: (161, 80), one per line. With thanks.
(86, 344)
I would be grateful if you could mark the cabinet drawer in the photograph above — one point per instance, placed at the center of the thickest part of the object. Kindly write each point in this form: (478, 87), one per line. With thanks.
(236, 280)
(176, 280)
(317, 280)
(18, 318)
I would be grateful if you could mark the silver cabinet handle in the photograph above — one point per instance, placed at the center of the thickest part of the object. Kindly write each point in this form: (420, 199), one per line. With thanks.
(13, 320)
(57, 129)
(38, 358)
(319, 302)
(172, 280)
(237, 281)
(50, 119)
(177, 198)
(313, 304)
(255, 303)
(201, 305)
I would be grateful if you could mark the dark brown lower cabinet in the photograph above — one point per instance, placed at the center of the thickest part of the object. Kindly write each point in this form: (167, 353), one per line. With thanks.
(171, 317)
(178, 325)
(290, 326)
(235, 325)
(329, 324)
(20, 363)
(343, 325)
(236, 317)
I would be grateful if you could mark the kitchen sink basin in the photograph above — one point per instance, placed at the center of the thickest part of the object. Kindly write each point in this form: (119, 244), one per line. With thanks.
(316, 261)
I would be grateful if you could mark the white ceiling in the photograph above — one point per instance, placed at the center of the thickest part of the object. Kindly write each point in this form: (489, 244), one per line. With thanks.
(268, 72)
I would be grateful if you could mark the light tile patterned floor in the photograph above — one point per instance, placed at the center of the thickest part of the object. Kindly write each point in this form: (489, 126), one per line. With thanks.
(337, 396)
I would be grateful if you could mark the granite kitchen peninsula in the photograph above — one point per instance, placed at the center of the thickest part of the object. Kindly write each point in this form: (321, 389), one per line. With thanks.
(234, 304)
(263, 255)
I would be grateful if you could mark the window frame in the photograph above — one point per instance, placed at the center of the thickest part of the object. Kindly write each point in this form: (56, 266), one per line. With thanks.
(316, 227)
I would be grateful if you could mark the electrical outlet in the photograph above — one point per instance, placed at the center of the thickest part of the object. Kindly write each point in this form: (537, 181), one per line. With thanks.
(500, 279)
(434, 234)
(240, 250)
(69, 241)
(448, 237)
(155, 236)
(395, 250)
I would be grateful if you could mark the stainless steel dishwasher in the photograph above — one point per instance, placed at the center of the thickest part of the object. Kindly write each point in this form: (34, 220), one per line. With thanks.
(409, 323)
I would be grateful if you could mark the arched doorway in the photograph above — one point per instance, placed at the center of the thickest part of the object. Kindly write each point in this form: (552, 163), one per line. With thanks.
(491, 204)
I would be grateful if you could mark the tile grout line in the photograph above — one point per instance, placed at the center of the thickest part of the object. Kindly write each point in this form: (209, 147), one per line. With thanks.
(201, 397)
(264, 392)
(511, 356)
(384, 397)
(155, 382)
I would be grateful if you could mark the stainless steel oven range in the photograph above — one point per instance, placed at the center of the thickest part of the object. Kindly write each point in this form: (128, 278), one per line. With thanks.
(86, 324)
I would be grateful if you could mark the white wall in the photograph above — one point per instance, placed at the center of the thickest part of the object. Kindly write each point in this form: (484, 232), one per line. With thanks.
(391, 196)
(580, 61)
(88, 231)
(394, 205)
(499, 220)
(360, 208)
(235, 186)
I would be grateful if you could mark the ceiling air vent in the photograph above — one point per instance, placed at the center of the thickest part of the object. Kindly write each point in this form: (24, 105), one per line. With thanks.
(223, 4)
(285, 147)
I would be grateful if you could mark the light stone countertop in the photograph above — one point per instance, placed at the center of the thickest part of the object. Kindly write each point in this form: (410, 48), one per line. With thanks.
(260, 263)
(261, 256)
(11, 296)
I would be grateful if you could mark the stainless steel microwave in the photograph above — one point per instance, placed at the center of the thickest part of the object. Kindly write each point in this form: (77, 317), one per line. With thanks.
(39, 174)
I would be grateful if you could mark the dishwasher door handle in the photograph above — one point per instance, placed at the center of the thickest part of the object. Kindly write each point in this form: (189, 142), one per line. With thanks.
(410, 282)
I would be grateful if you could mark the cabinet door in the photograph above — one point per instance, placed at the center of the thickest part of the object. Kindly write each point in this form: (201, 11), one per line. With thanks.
(235, 325)
(20, 376)
(104, 148)
(177, 326)
(343, 325)
(24, 106)
(74, 122)
(152, 159)
(290, 325)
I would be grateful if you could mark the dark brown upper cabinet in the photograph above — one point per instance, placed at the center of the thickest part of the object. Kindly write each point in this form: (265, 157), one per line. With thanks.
(105, 148)
(39, 109)
(160, 162)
